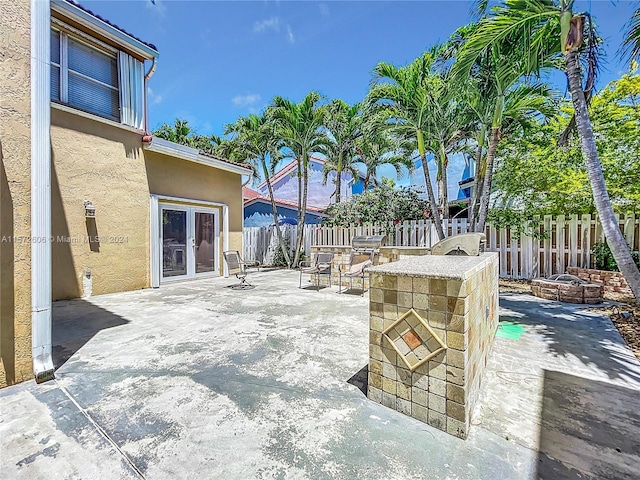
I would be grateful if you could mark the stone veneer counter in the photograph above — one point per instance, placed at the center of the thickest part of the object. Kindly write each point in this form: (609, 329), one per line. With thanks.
(433, 319)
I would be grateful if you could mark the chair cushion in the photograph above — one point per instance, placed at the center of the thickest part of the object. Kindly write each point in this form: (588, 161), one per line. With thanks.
(358, 267)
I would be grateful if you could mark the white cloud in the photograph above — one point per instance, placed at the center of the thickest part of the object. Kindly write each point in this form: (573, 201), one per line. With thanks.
(290, 36)
(272, 23)
(324, 9)
(245, 100)
(152, 98)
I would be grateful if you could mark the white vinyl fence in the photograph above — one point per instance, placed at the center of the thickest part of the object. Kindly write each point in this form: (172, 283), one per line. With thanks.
(549, 246)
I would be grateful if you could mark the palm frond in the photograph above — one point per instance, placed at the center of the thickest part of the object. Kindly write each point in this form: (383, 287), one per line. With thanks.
(631, 45)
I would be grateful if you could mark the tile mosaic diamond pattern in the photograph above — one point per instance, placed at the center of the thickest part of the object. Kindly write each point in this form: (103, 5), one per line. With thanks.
(413, 339)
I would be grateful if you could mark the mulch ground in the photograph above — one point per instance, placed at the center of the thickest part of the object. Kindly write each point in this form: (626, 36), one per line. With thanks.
(625, 314)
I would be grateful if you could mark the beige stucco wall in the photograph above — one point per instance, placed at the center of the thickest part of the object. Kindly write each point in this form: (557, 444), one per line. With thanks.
(103, 164)
(15, 193)
(95, 161)
(177, 178)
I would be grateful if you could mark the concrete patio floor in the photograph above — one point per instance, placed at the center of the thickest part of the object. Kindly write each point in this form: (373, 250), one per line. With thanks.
(195, 380)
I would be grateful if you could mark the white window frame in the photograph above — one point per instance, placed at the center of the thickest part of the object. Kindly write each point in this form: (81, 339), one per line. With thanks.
(64, 67)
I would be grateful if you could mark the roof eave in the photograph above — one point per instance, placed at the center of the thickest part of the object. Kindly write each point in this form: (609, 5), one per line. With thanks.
(160, 145)
(95, 24)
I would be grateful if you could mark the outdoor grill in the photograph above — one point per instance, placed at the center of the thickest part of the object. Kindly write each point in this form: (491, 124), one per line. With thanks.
(471, 244)
(365, 244)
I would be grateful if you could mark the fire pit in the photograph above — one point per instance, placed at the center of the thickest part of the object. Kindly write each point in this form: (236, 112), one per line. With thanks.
(567, 288)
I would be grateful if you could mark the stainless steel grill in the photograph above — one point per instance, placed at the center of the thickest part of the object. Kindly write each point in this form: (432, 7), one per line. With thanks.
(470, 244)
(368, 243)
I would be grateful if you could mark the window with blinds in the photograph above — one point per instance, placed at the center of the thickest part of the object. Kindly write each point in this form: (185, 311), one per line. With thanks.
(84, 77)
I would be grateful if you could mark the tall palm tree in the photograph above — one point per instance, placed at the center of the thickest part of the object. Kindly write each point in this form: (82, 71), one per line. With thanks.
(500, 68)
(404, 98)
(254, 141)
(548, 31)
(299, 126)
(344, 127)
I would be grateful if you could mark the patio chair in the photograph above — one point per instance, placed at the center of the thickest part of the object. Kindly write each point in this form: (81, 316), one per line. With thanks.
(321, 265)
(358, 262)
(238, 267)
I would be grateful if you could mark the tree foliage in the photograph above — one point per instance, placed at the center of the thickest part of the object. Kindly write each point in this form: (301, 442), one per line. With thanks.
(536, 176)
(385, 205)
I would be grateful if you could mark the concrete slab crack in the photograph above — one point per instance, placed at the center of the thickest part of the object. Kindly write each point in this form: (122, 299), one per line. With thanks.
(100, 430)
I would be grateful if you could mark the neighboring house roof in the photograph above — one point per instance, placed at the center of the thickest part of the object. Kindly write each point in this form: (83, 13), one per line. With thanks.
(256, 197)
(73, 8)
(288, 169)
(248, 193)
(160, 145)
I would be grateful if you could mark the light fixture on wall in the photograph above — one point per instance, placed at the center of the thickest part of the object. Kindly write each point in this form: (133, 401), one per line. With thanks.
(89, 209)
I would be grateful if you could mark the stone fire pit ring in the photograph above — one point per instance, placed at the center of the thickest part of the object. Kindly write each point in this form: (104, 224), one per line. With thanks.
(567, 288)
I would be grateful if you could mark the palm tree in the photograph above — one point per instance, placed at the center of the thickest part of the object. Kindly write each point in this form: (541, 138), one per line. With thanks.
(548, 31)
(499, 69)
(378, 147)
(182, 133)
(254, 141)
(343, 123)
(299, 128)
(404, 98)
(631, 43)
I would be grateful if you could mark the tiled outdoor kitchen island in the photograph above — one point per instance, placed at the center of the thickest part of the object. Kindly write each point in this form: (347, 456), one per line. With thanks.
(414, 300)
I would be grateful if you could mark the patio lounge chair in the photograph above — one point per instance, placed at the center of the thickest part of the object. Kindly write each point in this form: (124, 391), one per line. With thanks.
(238, 267)
(358, 262)
(321, 265)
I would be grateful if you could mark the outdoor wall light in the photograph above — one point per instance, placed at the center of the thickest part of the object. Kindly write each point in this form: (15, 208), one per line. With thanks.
(89, 209)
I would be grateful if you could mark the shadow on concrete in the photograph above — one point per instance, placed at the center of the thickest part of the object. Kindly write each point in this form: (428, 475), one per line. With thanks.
(589, 429)
(7, 286)
(361, 379)
(569, 330)
(353, 291)
(76, 322)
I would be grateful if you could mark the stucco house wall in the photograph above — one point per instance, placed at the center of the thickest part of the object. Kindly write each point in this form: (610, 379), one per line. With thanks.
(92, 159)
(15, 191)
(173, 177)
(104, 164)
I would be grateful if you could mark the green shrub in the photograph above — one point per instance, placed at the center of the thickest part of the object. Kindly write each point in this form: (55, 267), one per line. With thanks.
(603, 257)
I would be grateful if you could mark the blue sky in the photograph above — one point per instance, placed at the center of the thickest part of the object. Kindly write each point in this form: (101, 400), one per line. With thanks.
(222, 59)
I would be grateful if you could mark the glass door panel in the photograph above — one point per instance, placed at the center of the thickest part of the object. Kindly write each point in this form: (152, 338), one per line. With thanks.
(174, 242)
(205, 242)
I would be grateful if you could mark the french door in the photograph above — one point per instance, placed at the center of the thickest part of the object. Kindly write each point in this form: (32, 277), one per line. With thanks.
(190, 241)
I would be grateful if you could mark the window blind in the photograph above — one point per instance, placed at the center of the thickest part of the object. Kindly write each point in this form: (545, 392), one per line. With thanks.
(93, 80)
(55, 65)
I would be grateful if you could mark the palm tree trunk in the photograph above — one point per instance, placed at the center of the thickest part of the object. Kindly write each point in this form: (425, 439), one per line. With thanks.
(274, 211)
(339, 178)
(615, 239)
(443, 189)
(427, 180)
(488, 175)
(477, 178)
(303, 210)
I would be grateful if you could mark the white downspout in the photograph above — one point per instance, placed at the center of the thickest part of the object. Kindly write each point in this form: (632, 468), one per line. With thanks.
(148, 75)
(41, 190)
(225, 236)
